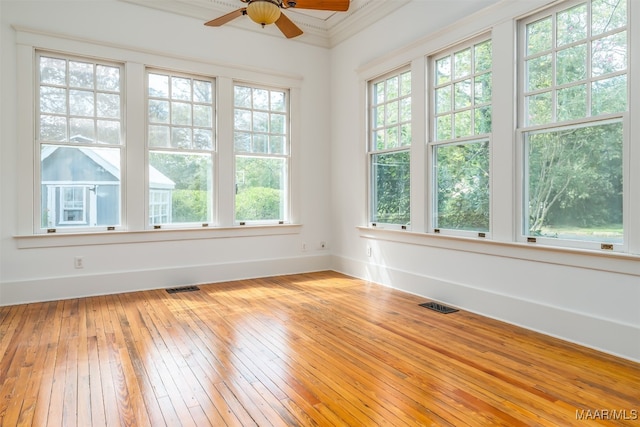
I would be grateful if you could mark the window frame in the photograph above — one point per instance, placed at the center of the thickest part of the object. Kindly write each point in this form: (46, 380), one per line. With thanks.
(171, 150)
(433, 143)
(285, 156)
(588, 120)
(373, 152)
(80, 143)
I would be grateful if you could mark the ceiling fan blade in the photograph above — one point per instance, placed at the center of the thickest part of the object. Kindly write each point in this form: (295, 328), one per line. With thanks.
(335, 5)
(226, 18)
(288, 28)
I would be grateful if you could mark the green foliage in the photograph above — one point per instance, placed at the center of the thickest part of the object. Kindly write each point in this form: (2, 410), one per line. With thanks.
(391, 175)
(258, 203)
(575, 177)
(190, 206)
(462, 173)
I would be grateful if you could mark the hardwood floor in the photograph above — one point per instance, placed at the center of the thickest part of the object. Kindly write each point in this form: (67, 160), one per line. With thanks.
(311, 349)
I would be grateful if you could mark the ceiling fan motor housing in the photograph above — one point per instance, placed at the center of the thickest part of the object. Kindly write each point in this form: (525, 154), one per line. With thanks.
(264, 12)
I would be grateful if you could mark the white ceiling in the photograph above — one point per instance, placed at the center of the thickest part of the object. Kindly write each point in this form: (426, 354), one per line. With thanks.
(321, 28)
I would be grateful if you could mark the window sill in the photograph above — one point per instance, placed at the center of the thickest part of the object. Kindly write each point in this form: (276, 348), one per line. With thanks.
(146, 236)
(614, 262)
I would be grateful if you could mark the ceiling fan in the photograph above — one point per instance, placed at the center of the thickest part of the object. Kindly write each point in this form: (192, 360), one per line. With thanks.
(266, 12)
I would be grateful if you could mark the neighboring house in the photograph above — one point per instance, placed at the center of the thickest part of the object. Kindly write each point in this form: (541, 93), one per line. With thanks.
(81, 187)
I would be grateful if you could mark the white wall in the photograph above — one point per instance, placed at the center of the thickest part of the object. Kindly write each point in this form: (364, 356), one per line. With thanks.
(591, 299)
(130, 263)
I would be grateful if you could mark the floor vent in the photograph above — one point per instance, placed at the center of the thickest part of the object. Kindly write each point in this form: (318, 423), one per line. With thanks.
(438, 307)
(182, 289)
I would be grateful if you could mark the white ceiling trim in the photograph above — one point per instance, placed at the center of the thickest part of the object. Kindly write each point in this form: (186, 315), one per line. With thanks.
(321, 32)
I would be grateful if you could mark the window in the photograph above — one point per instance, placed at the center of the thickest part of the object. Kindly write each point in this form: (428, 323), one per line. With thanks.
(79, 141)
(461, 123)
(389, 148)
(181, 148)
(261, 147)
(573, 96)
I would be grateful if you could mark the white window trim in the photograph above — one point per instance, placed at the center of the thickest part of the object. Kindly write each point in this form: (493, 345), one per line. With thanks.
(133, 221)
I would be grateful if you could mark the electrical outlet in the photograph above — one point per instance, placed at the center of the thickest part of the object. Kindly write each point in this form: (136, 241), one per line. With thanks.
(368, 250)
(303, 247)
(78, 262)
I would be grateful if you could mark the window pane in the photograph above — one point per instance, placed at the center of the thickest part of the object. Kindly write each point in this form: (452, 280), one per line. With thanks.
(443, 99)
(608, 15)
(53, 128)
(609, 95)
(202, 92)
(260, 99)
(107, 78)
(108, 105)
(242, 96)
(53, 71)
(391, 113)
(575, 183)
(82, 129)
(539, 109)
(181, 88)
(80, 186)
(181, 137)
(158, 86)
(482, 89)
(572, 25)
(80, 74)
(159, 136)
(278, 101)
(462, 122)
(202, 139)
(482, 120)
(390, 177)
(108, 131)
(571, 64)
(81, 103)
(53, 100)
(261, 188)
(482, 56)
(462, 94)
(609, 54)
(181, 113)
(539, 36)
(158, 111)
(183, 182)
(443, 128)
(462, 186)
(539, 73)
(443, 70)
(462, 63)
(392, 88)
(572, 102)
(405, 84)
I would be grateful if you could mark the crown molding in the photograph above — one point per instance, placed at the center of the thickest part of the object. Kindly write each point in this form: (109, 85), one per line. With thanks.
(325, 33)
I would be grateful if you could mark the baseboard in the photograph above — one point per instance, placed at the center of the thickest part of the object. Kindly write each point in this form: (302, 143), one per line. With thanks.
(605, 335)
(60, 288)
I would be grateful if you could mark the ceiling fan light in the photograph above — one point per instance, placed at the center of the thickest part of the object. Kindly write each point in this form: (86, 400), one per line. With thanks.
(264, 12)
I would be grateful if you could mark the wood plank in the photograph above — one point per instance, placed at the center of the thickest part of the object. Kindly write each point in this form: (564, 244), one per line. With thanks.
(310, 349)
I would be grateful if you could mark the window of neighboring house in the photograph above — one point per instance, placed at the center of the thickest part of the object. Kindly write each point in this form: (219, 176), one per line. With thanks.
(461, 131)
(573, 96)
(73, 203)
(159, 206)
(261, 148)
(389, 149)
(181, 148)
(79, 141)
